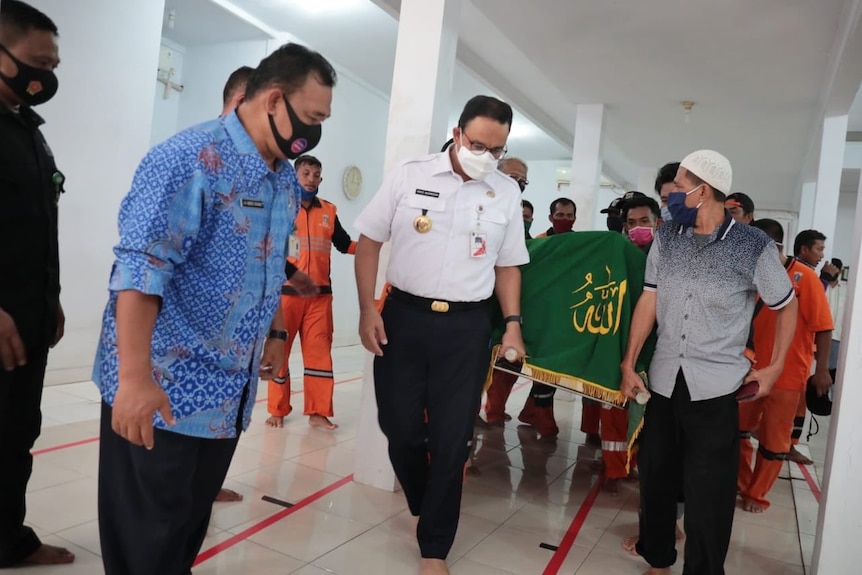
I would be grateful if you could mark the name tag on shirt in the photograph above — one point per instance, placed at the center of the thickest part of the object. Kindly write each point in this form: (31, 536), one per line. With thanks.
(478, 244)
(427, 193)
(252, 204)
(293, 246)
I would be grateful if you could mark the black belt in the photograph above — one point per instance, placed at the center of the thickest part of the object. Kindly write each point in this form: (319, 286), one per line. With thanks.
(290, 290)
(435, 305)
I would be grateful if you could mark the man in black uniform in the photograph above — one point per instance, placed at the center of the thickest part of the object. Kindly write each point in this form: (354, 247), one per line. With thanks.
(31, 319)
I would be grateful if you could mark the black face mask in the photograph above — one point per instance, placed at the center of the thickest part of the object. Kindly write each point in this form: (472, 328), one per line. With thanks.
(615, 224)
(32, 85)
(305, 137)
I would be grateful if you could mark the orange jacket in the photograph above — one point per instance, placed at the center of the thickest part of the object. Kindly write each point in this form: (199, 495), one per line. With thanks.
(814, 315)
(317, 229)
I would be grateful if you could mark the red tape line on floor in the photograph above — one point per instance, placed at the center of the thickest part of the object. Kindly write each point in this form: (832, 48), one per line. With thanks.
(812, 484)
(560, 554)
(65, 446)
(95, 439)
(272, 519)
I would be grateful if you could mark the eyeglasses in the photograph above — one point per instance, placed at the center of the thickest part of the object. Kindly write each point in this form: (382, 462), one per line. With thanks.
(522, 183)
(479, 148)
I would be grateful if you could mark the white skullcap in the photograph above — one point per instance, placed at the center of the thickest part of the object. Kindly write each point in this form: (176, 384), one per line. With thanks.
(711, 167)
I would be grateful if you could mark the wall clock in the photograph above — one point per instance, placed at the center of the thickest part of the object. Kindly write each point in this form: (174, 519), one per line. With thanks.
(352, 182)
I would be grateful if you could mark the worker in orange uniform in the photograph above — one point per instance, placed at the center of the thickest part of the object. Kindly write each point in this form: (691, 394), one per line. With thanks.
(317, 229)
(772, 416)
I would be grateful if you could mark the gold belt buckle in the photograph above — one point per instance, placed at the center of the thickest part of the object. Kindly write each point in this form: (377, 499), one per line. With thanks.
(440, 306)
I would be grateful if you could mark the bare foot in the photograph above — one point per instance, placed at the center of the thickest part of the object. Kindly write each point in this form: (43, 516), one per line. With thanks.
(752, 507)
(320, 421)
(49, 555)
(629, 544)
(434, 567)
(275, 421)
(228, 495)
(797, 457)
(612, 486)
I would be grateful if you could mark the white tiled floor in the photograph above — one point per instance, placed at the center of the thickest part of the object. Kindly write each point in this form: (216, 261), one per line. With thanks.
(527, 492)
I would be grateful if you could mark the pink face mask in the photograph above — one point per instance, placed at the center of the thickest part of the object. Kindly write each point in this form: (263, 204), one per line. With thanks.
(641, 236)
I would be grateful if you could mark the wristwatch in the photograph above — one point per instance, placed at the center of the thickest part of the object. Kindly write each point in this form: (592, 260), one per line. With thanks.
(277, 334)
(516, 318)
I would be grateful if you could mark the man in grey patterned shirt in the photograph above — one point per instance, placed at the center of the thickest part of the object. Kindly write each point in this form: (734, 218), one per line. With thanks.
(703, 274)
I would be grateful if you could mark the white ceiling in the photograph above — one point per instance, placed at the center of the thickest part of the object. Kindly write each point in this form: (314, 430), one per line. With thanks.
(220, 25)
(359, 37)
(755, 70)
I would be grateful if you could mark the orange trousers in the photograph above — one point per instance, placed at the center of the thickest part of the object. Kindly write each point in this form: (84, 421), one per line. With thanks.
(311, 319)
(614, 434)
(772, 417)
(498, 394)
(590, 415)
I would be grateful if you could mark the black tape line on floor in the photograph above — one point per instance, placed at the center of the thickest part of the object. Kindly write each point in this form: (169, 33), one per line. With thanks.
(548, 546)
(269, 499)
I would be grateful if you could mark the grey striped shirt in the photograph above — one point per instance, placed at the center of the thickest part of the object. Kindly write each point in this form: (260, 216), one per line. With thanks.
(705, 300)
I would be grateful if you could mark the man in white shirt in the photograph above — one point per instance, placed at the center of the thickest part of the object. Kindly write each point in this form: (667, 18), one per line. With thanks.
(457, 236)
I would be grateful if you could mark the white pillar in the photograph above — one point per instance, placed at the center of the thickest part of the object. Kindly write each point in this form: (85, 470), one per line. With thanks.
(840, 518)
(829, 176)
(646, 180)
(806, 212)
(587, 162)
(418, 117)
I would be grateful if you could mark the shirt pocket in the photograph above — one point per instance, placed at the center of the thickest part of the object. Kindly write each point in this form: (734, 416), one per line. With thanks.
(429, 203)
(493, 222)
(18, 192)
(415, 206)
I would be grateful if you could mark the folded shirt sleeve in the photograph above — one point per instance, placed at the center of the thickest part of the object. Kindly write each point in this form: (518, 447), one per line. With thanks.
(159, 220)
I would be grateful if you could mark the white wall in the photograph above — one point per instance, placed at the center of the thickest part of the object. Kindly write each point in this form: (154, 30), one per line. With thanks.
(166, 111)
(98, 126)
(841, 246)
(205, 71)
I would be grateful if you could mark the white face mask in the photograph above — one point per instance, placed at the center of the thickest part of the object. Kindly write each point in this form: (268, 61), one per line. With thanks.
(477, 166)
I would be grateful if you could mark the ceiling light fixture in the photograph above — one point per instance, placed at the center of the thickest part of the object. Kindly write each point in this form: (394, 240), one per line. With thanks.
(687, 106)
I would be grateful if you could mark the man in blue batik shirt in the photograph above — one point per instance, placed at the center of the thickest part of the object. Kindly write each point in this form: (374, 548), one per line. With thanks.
(192, 319)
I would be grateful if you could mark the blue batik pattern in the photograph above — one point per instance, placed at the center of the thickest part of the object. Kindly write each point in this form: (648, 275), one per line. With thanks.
(205, 227)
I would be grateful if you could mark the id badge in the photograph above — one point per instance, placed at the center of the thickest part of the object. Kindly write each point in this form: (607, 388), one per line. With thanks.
(478, 244)
(293, 246)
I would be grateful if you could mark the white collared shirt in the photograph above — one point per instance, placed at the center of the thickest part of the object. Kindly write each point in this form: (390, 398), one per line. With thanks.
(438, 264)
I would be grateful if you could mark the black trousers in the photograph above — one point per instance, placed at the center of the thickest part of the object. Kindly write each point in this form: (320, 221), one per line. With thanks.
(154, 506)
(689, 447)
(20, 424)
(435, 362)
